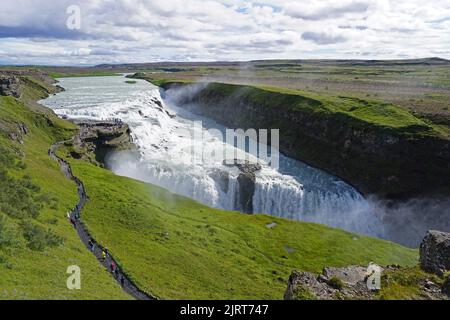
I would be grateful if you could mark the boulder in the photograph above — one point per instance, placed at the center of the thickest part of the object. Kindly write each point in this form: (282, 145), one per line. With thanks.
(306, 286)
(246, 189)
(246, 181)
(435, 252)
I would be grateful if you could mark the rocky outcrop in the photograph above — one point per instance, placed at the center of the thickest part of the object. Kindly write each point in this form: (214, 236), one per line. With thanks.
(435, 252)
(10, 85)
(100, 138)
(333, 283)
(351, 283)
(246, 181)
(21, 130)
(13, 130)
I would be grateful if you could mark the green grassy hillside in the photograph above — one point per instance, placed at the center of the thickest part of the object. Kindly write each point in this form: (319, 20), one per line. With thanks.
(176, 248)
(37, 243)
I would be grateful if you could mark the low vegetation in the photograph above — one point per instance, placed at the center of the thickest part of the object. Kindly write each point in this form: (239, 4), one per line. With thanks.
(405, 284)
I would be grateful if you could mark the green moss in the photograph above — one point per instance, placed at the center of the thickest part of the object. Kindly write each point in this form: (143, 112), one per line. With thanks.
(335, 283)
(302, 293)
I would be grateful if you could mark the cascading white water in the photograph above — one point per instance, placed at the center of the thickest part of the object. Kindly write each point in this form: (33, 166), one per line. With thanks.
(163, 134)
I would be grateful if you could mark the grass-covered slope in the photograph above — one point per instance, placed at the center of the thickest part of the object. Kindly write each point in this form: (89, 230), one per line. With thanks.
(37, 243)
(176, 248)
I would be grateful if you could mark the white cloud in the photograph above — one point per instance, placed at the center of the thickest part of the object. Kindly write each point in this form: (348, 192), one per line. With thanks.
(318, 10)
(149, 30)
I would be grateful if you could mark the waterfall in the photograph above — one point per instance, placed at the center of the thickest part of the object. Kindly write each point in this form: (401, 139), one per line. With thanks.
(163, 134)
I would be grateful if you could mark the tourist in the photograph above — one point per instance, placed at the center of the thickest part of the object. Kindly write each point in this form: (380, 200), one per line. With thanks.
(91, 245)
(73, 222)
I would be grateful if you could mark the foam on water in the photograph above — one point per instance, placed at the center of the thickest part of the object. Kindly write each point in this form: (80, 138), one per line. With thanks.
(163, 134)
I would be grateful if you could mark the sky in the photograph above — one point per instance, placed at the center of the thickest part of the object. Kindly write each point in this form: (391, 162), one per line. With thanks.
(90, 32)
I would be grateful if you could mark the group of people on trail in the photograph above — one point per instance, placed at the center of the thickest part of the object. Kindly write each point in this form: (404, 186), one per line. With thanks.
(113, 266)
(105, 252)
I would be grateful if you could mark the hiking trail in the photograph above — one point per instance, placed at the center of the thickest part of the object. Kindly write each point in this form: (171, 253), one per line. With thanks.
(127, 284)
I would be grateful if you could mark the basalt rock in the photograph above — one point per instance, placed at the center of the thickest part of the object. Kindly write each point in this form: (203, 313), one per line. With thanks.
(246, 181)
(100, 138)
(351, 283)
(9, 85)
(13, 130)
(435, 252)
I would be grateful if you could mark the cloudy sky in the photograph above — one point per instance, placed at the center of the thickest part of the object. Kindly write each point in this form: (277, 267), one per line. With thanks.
(37, 32)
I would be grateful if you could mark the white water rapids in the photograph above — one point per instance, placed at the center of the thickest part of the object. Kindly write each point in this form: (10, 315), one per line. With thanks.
(295, 190)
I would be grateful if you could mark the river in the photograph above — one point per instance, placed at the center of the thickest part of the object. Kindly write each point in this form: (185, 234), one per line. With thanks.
(162, 131)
